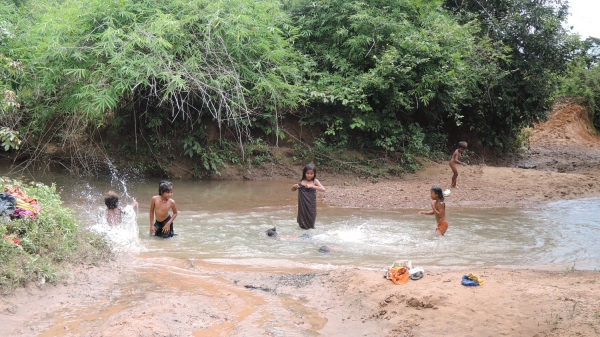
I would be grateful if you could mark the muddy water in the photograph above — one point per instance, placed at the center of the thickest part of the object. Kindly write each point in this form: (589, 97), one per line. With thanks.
(225, 222)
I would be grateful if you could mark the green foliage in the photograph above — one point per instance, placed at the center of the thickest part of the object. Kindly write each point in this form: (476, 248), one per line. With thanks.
(10, 139)
(583, 83)
(396, 77)
(535, 49)
(86, 61)
(382, 66)
(10, 72)
(46, 243)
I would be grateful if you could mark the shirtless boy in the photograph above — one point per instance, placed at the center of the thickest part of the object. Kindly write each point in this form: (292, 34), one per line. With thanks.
(160, 206)
(462, 146)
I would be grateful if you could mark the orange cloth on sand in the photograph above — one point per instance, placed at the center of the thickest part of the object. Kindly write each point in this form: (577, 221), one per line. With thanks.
(442, 227)
(398, 275)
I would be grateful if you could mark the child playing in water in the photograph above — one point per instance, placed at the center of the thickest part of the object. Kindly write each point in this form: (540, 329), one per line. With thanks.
(438, 208)
(307, 197)
(160, 206)
(462, 146)
(114, 211)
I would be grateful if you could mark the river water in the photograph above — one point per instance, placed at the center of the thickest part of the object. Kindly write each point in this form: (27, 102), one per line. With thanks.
(225, 222)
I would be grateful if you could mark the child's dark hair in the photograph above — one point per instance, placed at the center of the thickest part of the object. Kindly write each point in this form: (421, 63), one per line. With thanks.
(309, 167)
(164, 186)
(462, 145)
(438, 190)
(111, 199)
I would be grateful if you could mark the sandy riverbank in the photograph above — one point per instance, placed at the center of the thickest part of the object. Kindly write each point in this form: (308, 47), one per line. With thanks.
(143, 296)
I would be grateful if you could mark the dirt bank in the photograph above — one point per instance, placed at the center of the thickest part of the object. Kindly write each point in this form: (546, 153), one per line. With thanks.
(563, 162)
(144, 296)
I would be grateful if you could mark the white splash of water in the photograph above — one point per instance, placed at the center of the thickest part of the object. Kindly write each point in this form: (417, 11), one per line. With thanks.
(124, 236)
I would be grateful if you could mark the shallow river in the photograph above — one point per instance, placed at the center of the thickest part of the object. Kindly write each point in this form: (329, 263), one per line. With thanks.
(226, 221)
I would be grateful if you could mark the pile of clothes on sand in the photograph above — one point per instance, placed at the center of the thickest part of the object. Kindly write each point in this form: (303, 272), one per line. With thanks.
(401, 271)
(16, 204)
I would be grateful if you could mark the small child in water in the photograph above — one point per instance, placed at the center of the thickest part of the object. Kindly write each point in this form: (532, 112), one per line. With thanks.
(114, 212)
(307, 189)
(462, 146)
(160, 206)
(438, 208)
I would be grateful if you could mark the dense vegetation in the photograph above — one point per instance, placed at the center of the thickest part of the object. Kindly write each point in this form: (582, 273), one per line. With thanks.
(220, 81)
(46, 243)
(582, 79)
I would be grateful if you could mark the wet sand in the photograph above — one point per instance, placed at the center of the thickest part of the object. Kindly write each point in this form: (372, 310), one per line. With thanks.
(143, 295)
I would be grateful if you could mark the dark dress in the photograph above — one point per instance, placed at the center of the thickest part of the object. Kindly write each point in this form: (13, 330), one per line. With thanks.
(307, 207)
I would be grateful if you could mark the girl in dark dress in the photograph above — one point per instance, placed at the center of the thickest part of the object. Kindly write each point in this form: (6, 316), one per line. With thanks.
(307, 196)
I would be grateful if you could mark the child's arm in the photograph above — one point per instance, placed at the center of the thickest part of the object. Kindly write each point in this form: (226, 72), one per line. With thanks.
(318, 186)
(167, 227)
(434, 207)
(432, 212)
(152, 229)
(295, 187)
(455, 158)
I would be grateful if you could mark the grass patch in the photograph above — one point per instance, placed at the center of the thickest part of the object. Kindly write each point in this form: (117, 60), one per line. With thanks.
(46, 243)
(568, 270)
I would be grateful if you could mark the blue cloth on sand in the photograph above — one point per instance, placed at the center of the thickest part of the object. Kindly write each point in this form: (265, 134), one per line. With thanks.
(467, 282)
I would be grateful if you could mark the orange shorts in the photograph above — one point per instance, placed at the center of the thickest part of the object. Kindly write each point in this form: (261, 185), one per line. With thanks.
(442, 227)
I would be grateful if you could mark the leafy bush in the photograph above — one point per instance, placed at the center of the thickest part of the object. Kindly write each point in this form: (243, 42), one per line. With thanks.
(46, 243)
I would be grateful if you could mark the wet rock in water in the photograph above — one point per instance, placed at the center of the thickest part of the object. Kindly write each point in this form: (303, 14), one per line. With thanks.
(305, 237)
(272, 232)
(324, 249)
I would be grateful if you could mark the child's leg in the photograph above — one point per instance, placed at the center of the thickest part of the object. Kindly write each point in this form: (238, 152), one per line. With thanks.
(438, 233)
(455, 175)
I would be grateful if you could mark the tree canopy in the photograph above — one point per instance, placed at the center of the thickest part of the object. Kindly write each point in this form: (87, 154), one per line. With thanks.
(396, 76)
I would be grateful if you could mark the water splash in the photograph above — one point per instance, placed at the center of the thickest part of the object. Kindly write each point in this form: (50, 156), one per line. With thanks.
(124, 236)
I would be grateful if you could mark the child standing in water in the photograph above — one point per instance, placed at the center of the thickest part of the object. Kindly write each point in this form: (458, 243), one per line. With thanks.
(438, 208)
(462, 146)
(114, 212)
(160, 206)
(307, 197)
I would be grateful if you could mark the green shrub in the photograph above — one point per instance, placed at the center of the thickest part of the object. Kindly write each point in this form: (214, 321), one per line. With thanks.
(46, 243)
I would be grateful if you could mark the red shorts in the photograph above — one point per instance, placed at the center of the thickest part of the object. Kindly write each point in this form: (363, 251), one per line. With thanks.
(442, 227)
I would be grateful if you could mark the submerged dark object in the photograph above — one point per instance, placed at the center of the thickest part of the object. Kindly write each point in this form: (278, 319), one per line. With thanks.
(305, 237)
(272, 232)
(324, 249)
